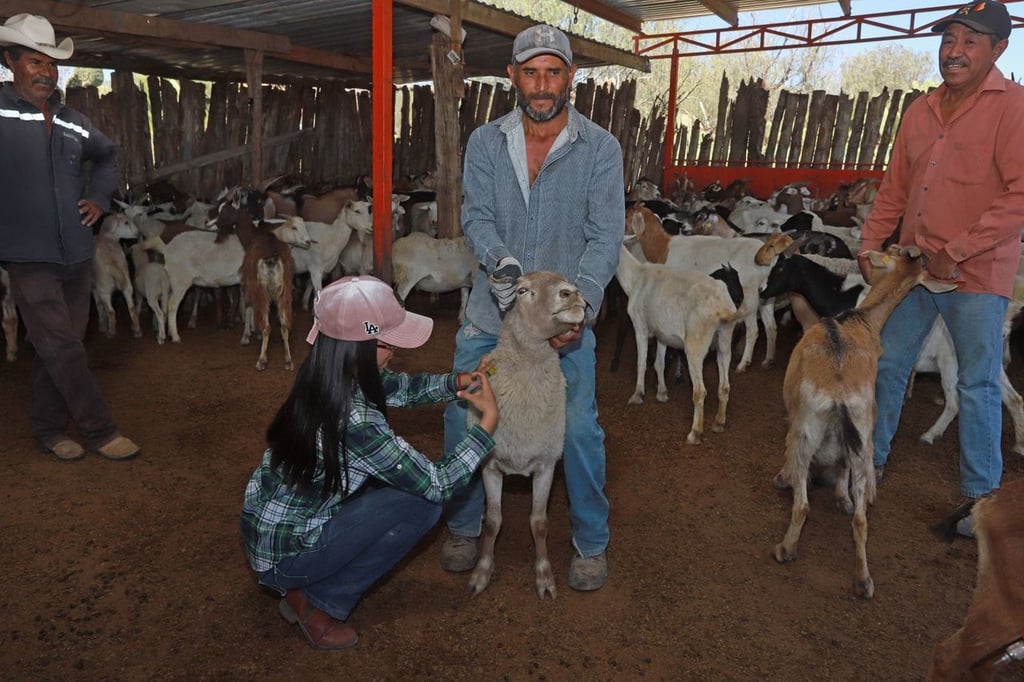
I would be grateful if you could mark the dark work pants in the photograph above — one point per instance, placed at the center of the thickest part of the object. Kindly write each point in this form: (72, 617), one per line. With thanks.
(53, 302)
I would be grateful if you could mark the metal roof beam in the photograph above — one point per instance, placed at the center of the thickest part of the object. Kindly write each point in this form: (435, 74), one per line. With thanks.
(898, 25)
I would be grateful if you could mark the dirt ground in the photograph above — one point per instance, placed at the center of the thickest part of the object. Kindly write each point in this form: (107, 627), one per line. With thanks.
(135, 571)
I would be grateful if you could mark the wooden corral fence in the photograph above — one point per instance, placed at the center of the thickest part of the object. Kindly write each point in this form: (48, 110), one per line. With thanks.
(806, 134)
(194, 133)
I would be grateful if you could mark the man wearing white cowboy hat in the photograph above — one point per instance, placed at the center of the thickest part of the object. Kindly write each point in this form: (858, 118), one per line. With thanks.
(46, 237)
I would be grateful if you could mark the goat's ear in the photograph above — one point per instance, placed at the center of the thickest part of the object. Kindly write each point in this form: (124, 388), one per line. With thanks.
(936, 286)
(269, 209)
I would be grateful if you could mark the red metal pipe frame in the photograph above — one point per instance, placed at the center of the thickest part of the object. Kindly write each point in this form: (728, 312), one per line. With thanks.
(732, 40)
(383, 136)
(670, 115)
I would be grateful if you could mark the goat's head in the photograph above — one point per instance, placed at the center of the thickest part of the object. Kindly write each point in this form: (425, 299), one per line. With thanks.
(548, 304)
(905, 264)
(292, 231)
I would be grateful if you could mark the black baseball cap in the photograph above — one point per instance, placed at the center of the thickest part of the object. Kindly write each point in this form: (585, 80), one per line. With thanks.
(983, 17)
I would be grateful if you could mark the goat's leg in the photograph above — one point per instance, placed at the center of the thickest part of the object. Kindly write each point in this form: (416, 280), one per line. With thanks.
(641, 365)
(284, 318)
(264, 327)
(133, 316)
(659, 372)
(863, 586)
(723, 350)
(695, 354)
(766, 312)
(159, 318)
(493, 479)
(193, 319)
(1015, 406)
(950, 409)
(749, 339)
(177, 293)
(539, 526)
(798, 457)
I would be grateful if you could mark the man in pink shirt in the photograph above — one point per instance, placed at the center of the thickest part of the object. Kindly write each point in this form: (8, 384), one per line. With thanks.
(956, 178)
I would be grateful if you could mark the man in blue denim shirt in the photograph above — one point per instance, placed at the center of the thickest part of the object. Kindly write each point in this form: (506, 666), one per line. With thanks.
(543, 190)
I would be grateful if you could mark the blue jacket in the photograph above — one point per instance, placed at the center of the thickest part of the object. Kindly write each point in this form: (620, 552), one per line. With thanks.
(42, 178)
(573, 224)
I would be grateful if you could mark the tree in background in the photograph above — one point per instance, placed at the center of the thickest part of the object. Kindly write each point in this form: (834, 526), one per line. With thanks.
(892, 66)
(82, 76)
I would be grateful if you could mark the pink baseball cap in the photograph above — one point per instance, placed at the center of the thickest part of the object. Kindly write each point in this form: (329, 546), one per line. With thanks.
(362, 307)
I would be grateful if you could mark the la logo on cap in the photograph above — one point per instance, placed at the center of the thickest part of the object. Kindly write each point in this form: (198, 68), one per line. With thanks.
(370, 328)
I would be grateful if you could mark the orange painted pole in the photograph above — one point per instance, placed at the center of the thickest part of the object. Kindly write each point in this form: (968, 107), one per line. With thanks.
(383, 94)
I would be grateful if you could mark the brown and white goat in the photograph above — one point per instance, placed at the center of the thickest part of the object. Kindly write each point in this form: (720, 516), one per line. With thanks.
(995, 618)
(829, 395)
(267, 272)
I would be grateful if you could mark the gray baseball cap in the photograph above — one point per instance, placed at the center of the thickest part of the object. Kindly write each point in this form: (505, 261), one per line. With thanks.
(538, 40)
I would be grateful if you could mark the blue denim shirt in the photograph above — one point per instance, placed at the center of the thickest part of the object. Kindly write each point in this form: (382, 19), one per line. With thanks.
(572, 223)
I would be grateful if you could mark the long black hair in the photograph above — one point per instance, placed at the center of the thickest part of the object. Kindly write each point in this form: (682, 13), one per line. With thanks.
(320, 403)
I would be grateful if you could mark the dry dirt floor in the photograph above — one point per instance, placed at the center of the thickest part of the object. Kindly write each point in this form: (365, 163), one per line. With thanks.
(135, 570)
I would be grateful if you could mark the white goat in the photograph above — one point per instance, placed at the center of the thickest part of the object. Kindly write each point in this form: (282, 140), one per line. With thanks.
(530, 391)
(706, 254)
(433, 265)
(152, 287)
(684, 309)
(196, 258)
(829, 394)
(354, 219)
(110, 273)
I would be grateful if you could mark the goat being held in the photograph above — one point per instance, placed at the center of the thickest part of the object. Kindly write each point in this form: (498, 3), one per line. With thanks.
(829, 394)
(529, 388)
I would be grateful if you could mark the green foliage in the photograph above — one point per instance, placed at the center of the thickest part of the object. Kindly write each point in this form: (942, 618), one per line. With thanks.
(82, 76)
(892, 66)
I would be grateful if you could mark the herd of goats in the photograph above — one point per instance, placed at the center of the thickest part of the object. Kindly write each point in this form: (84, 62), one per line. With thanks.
(692, 268)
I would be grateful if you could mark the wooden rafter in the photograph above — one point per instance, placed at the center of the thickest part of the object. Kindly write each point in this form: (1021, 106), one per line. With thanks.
(724, 10)
(497, 21)
(609, 13)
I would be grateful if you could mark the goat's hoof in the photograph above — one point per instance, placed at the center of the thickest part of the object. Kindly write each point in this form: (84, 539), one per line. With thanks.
(695, 438)
(160, 341)
(137, 333)
(844, 505)
(718, 428)
(740, 369)
(781, 482)
(636, 399)
(784, 555)
(768, 364)
(261, 365)
(926, 439)
(289, 366)
(662, 397)
(864, 589)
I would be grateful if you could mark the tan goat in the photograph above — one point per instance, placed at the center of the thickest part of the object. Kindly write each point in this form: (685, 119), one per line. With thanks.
(829, 394)
(995, 618)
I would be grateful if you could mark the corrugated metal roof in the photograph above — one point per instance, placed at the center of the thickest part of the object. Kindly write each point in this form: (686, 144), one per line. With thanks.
(104, 38)
(338, 32)
(666, 10)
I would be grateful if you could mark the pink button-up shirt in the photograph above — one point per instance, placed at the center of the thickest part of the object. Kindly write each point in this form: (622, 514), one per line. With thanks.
(959, 184)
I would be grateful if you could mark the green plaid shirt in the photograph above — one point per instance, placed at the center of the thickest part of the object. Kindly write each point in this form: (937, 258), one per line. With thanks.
(278, 521)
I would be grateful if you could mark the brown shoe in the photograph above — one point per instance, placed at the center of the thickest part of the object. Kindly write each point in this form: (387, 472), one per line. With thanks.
(119, 448)
(321, 631)
(65, 449)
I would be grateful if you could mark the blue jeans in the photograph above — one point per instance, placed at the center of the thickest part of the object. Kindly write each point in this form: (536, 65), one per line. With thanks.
(975, 322)
(583, 457)
(372, 532)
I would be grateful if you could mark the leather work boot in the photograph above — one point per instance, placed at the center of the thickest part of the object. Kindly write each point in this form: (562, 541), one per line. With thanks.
(321, 631)
(588, 574)
(119, 448)
(458, 553)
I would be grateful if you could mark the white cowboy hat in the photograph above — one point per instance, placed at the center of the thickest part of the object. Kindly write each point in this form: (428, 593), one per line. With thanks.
(36, 33)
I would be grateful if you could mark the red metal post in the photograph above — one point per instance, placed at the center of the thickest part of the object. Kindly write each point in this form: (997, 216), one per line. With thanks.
(383, 136)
